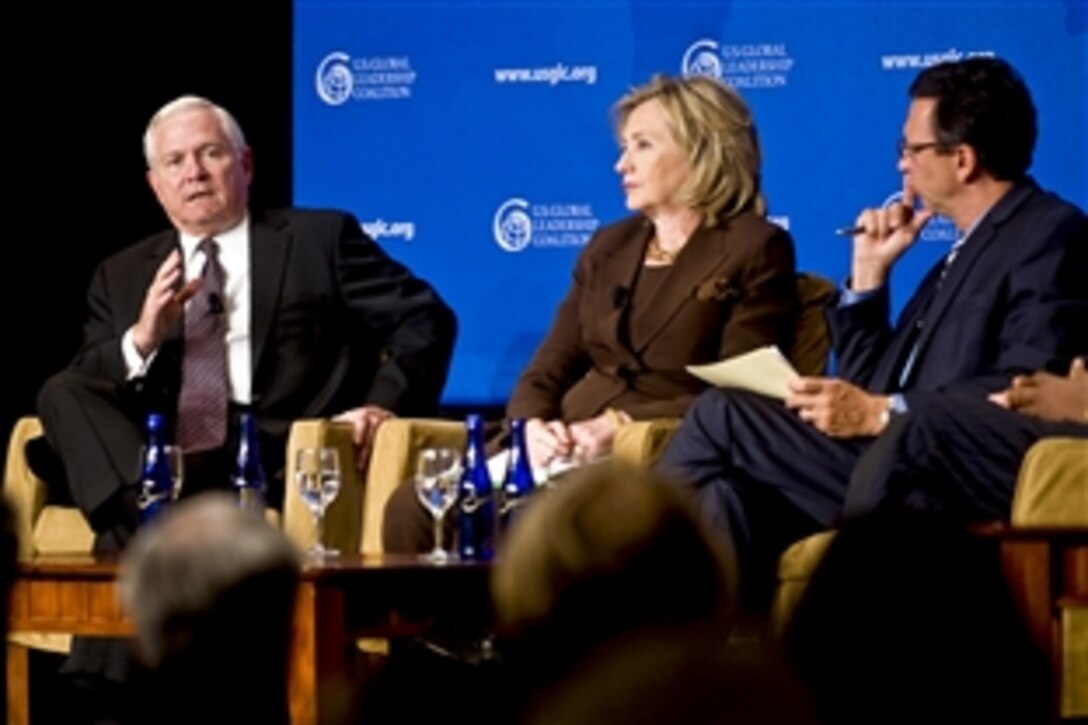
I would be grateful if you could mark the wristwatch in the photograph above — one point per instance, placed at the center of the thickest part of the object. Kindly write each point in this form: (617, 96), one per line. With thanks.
(897, 405)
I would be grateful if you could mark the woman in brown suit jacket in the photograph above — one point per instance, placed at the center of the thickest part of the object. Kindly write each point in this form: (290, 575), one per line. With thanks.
(696, 275)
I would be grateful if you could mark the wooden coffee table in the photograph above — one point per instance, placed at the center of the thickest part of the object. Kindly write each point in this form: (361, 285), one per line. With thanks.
(339, 600)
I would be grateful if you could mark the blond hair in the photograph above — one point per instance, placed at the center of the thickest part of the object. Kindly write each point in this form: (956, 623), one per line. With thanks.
(713, 125)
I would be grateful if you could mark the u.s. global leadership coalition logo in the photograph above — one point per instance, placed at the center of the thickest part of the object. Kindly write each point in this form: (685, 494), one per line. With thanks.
(518, 224)
(741, 65)
(340, 78)
(512, 226)
(702, 58)
(333, 78)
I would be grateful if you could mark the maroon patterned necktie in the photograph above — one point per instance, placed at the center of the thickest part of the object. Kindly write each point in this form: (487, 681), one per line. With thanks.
(202, 403)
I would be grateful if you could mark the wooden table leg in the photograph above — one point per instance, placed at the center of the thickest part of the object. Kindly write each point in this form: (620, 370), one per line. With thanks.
(319, 669)
(18, 684)
(302, 672)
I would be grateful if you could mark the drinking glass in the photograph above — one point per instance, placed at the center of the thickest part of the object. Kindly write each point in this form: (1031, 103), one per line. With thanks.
(317, 473)
(438, 471)
(175, 461)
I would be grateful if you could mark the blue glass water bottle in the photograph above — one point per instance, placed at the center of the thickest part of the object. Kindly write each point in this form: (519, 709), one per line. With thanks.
(475, 497)
(518, 483)
(156, 481)
(248, 478)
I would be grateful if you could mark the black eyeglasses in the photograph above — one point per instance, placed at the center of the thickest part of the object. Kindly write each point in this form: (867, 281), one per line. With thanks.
(913, 149)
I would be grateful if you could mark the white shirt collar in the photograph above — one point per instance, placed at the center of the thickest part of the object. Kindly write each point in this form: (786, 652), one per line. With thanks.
(232, 238)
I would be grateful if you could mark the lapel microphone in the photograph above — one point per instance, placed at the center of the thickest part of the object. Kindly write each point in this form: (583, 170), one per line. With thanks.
(215, 304)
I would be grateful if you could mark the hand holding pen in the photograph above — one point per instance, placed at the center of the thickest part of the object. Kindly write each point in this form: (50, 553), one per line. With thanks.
(881, 236)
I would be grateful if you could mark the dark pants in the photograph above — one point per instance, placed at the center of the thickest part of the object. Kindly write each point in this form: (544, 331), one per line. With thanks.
(761, 476)
(950, 453)
(96, 428)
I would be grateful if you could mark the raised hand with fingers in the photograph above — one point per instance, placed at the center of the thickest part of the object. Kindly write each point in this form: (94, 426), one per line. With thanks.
(163, 305)
(886, 234)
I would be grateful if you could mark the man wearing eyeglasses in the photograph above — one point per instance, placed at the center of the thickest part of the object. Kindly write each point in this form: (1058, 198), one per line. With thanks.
(1008, 299)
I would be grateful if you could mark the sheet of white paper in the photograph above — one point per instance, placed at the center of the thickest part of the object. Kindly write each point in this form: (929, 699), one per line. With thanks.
(763, 370)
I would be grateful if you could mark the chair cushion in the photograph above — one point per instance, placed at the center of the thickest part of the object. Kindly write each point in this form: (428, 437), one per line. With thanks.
(641, 442)
(795, 567)
(811, 342)
(62, 530)
(1052, 489)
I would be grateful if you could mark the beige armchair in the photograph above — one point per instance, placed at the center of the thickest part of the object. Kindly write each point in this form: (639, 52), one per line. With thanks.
(51, 529)
(395, 447)
(1045, 550)
(45, 529)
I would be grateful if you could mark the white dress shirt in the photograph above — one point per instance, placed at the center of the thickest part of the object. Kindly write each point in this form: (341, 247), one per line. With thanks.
(234, 259)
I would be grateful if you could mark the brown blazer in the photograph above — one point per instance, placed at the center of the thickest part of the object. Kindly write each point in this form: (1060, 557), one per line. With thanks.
(730, 290)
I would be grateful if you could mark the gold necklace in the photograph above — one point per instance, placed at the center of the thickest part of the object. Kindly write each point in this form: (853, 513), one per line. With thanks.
(656, 253)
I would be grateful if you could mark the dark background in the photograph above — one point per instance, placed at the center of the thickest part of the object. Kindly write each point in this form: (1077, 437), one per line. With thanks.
(85, 81)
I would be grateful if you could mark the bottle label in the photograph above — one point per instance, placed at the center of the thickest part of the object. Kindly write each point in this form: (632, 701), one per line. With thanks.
(510, 504)
(471, 502)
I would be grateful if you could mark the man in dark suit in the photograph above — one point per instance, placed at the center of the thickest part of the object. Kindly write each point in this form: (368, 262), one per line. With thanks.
(1009, 299)
(317, 321)
(312, 319)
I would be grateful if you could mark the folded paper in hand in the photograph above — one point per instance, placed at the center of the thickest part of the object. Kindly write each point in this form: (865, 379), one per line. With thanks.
(763, 370)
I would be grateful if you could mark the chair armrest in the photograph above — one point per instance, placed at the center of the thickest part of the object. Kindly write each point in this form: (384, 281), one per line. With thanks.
(1052, 487)
(393, 461)
(641, 442)
(344, 517)
(25, 492)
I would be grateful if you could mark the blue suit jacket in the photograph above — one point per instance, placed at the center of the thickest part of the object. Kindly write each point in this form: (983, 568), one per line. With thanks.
(1015, 300)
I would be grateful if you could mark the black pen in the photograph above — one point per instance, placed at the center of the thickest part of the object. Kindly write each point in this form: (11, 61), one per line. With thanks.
(849, 231)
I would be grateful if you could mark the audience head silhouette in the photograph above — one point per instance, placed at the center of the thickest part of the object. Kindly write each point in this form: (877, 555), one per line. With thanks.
(610, 550)
(670, 676)
(211, 590)
(909, 619)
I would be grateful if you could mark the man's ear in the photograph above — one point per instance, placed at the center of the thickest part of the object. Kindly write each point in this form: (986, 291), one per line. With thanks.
(966, 162)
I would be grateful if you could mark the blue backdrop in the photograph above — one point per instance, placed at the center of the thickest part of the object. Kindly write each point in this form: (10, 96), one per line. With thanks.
(473, 140)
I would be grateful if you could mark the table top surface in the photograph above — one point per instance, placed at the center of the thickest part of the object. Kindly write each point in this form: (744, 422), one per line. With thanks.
(106, 565)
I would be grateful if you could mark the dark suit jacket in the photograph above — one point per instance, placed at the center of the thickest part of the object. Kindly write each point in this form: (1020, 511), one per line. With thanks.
(1014, 301)
(336, 323)
(733, 288)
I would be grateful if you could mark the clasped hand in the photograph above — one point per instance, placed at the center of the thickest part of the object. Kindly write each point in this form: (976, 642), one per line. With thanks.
(1048, 396)
(581, 442)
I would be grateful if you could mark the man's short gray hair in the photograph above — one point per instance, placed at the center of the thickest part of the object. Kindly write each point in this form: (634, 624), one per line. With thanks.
(188, 103)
